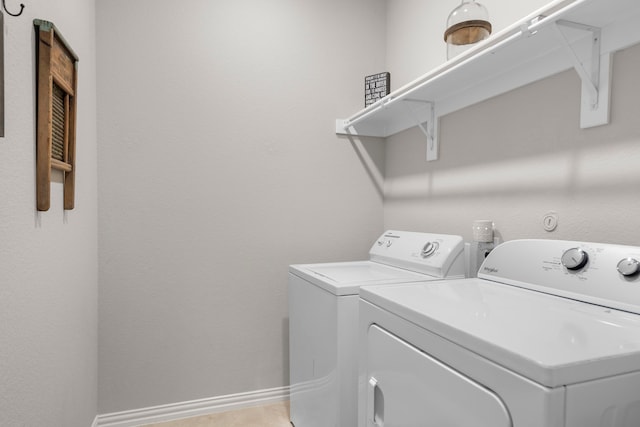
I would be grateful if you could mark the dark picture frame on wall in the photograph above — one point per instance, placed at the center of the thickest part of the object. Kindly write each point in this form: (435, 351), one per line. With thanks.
(2, 10)
(1, 75)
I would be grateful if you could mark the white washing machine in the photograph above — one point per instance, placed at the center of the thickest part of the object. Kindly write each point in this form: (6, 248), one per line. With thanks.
(323, 318)
(548, 335)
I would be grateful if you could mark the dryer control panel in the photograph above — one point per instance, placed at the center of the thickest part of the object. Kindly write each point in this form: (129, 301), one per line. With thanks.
(603, 274)
(438, 255)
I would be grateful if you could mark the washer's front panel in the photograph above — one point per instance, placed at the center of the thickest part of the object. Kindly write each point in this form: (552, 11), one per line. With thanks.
(312, 355)
(407, 387)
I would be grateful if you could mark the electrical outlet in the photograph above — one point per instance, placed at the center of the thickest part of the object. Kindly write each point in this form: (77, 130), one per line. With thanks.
(550, 221)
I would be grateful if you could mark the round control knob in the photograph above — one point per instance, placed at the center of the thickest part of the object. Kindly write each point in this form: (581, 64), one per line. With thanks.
(629, 267)
(574, 259)
(429, 249)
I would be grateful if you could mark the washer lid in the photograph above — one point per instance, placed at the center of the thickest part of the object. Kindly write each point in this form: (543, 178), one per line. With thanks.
(345, 278)
(552, 340)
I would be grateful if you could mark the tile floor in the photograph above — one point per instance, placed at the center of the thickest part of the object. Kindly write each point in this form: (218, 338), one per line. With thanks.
(274, 415)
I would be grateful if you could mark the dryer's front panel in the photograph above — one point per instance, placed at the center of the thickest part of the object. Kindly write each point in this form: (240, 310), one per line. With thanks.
(408, 388)
(608, 402)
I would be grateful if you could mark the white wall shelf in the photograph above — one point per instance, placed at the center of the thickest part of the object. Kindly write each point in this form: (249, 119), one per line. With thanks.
(579, 34)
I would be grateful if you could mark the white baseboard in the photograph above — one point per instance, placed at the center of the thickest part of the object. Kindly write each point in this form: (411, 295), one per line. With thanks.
(95, 422)
(175, 411)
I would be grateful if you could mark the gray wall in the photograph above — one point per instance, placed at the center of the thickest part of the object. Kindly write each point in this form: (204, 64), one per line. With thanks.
(515, 157)
(219, 167)
(48, 260)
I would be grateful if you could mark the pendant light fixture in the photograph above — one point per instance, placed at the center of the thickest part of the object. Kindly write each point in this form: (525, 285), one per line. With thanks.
(467, 25)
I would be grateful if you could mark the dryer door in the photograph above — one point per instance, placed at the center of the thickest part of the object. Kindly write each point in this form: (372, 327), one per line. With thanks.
(408, 388)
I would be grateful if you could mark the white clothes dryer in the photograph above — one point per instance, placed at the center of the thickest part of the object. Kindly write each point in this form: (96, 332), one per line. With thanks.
(548, 335)
(323, 318)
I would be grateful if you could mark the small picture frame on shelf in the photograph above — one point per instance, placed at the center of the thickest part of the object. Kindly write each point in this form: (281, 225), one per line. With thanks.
(376, 87)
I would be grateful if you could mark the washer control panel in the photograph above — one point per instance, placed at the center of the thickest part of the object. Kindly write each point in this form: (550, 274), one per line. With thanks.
(438, 255)
(429, 249)
(600, 273)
